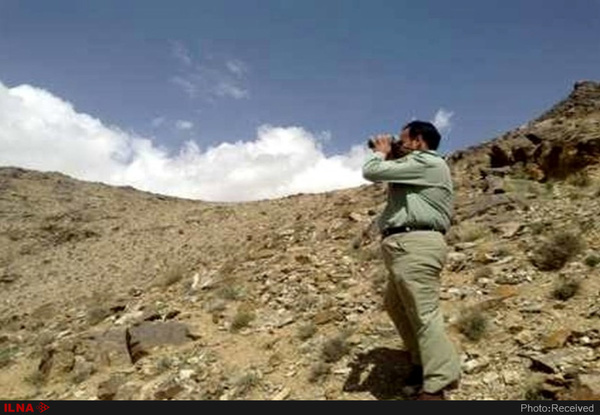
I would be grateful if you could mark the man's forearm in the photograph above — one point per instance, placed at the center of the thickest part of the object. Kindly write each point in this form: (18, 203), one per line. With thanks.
(407, 171)
(372, 166)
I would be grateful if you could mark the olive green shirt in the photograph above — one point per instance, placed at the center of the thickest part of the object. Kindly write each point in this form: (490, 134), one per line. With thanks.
(420, 190)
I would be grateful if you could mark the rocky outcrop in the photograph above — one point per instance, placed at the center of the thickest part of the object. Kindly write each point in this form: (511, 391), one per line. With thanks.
(557, 145)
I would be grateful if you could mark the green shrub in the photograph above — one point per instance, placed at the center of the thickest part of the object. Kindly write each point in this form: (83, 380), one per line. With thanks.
(242, 318)
(6, 355)
(592, 260)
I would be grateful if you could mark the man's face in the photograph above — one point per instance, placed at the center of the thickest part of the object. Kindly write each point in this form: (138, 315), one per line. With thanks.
(407, 142)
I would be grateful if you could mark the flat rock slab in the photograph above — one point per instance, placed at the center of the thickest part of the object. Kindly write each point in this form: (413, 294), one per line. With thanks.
(142, 338)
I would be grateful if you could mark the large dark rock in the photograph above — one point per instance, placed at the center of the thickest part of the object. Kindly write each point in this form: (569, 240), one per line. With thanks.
(149, 334)
(107, 390)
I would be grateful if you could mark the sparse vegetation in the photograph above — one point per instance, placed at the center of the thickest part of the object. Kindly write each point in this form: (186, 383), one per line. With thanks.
(534, 389)
(229, 292)
(379, 280)
(557, 250)
(244, 383)
(173, 274)
(565, 289)
(483, 272)
(522, 185)
(335, 348)
(488, 253)
(473, 324)
(318, 371)
(536, 393)
(6, 355)
(592, 259)
(163, 364)
(537, 227)
(470, 232)
(307, 301)
(242, 318)
(580, 179)
(82, 374)
(306, 331)
(35, 378)
(96, 314)
(368, 253)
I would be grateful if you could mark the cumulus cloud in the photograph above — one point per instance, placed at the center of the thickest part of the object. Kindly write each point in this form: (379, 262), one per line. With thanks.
(442, 121)
(211, 78)
(43, 132)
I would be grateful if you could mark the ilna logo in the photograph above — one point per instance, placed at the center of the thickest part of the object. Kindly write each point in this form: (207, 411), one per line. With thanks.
(24, 407)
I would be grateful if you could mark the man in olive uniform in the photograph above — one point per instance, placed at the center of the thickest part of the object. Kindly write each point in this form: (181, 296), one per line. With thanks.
(413, 223)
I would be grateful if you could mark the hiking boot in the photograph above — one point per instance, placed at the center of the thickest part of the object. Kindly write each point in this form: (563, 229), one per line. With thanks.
(439, 395)
(452, 386)
(426, 396)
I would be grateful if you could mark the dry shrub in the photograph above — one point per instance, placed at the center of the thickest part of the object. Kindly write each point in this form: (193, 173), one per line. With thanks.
(565, 289)
(473, 324)
(557, 250)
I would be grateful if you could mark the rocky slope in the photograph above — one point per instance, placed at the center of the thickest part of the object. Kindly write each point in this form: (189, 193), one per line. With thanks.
(114, 293)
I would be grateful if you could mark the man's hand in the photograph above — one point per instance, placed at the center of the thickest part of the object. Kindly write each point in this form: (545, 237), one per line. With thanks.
(382, 143)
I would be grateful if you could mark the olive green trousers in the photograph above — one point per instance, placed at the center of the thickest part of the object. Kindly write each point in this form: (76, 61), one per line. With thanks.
(414, 261)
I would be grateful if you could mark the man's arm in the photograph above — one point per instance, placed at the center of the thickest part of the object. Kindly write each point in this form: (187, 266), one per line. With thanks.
(408, 170)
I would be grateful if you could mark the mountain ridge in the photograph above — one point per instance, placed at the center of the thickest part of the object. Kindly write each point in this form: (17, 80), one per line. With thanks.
(115, 293)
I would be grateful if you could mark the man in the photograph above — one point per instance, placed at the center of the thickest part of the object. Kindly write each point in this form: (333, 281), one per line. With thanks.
(413, 224)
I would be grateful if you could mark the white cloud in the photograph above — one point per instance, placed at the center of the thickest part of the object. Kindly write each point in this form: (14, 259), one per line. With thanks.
(442, 121)
(226, 89)
(40, 131)
(189, 87)
(181, 53)
(236, 67)
(184, 125)
(157, 122)
(210, 79)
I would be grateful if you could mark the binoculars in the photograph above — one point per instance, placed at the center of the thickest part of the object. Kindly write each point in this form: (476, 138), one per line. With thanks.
(395, 141)
(397, 150)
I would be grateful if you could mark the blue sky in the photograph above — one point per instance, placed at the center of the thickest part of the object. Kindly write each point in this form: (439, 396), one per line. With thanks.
(187, 80)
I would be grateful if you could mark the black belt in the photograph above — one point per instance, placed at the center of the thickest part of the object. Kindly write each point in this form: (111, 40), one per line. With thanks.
(402, 229)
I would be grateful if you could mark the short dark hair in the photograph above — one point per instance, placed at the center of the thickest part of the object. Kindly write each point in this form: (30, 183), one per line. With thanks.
(425, 129)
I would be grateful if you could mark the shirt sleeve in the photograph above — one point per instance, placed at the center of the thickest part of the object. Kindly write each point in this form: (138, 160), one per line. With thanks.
(408, 170)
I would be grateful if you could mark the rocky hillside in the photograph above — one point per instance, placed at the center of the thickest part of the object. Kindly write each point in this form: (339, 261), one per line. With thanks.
(113, 293)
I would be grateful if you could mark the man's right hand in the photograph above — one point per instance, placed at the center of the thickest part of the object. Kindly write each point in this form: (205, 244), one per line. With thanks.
(382, 143)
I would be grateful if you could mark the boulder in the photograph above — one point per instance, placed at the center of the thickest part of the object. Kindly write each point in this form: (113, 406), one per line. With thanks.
(149, 334)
